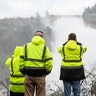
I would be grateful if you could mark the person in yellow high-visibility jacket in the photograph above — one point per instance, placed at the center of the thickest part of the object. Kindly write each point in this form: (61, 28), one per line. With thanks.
(16, 77)
(36, 63)
(72, 70)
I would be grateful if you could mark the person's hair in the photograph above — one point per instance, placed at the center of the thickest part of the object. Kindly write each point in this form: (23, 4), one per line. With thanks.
(39, 33)
(72, 36)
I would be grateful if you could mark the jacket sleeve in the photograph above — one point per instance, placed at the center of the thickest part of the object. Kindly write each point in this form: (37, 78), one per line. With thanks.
(8, 63)
(48, 61)
(60, 50)
(84, 49)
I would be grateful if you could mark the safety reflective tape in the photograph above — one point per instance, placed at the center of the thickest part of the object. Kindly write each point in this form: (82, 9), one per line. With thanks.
(71, 67)
(16, 83)
(17, 76)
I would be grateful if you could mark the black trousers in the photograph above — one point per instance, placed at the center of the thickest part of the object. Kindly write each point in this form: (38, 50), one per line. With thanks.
(16, 94)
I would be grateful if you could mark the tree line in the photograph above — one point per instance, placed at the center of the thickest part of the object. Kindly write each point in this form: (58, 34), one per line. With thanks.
(89, 14)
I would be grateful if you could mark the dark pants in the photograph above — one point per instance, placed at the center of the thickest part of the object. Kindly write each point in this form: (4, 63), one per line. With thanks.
(34, 85)
(16, 94)
(67, 88)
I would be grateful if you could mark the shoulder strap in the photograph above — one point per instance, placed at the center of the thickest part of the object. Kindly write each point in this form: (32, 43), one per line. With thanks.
(80, 44)
(12, 65)
(63, 52)
(80, 50)
(43, 55)
(25, 57)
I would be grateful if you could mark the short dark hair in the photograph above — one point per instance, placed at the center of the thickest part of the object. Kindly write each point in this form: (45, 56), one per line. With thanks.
(72, 36)
(40, 32)
(41, 35)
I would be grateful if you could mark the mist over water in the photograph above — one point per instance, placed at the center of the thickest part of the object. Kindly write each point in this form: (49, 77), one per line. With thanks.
(85, 34)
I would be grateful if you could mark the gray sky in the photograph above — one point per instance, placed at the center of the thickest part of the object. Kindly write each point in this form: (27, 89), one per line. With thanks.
(27, 8)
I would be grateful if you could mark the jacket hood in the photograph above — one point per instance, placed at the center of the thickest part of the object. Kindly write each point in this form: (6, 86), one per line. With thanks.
(17, 51)
(71, 44)
(38, 40)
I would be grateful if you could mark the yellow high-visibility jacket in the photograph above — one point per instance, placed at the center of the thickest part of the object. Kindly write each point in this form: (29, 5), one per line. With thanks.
(36, 59)
(16, 77)
(71, 64)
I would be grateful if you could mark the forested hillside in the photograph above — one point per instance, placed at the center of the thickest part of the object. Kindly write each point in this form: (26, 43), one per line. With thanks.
(89, 16)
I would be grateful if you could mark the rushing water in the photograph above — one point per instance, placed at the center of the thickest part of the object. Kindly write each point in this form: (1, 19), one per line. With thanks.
(85, 34)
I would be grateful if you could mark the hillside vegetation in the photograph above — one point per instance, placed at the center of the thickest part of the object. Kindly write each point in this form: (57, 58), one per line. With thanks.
(89, 16)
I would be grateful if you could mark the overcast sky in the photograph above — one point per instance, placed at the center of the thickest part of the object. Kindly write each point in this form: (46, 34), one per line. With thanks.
(27, 8)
